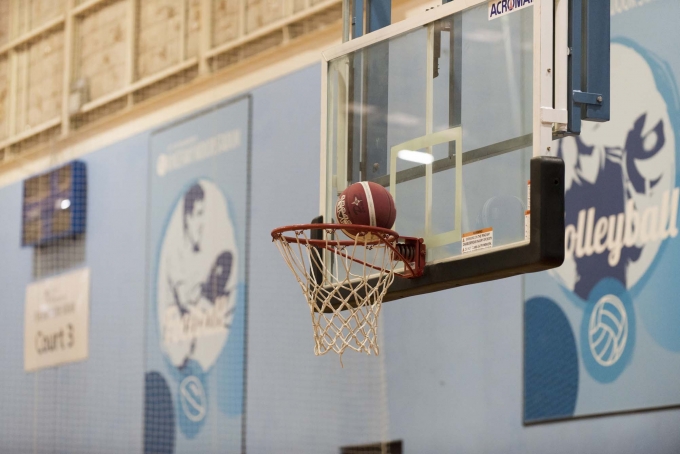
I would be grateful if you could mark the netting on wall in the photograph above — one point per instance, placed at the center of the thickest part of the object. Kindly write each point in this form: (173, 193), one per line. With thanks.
(192, 348)
(146, 385)
(72, 377)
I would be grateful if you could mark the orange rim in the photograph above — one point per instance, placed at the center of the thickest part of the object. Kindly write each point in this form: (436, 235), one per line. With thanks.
(383, 235)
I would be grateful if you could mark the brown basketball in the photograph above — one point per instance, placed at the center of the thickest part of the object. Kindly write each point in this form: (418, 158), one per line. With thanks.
(365, 203)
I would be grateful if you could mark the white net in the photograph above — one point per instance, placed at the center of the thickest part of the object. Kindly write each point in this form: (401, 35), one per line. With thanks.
(344, 283)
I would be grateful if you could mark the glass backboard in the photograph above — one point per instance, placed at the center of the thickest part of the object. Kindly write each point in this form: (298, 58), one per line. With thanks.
(441, 115)
(454, 112)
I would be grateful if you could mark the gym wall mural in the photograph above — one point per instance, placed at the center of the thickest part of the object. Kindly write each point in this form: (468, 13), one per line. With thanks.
(603, 327)
(198, 199)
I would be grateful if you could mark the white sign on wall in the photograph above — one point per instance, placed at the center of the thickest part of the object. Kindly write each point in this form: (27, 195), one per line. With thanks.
(56, 320)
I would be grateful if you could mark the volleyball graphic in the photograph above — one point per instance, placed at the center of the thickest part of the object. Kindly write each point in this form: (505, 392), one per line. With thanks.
(608, 330)
(620, 178)
(617, 173)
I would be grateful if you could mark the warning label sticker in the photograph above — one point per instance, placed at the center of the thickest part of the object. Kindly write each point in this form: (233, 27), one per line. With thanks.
(527, 214)
(529, 195)
(527, 225)
(477, 240)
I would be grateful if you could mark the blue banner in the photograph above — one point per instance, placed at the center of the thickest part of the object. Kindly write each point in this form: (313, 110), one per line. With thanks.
(198, 218)
(602, 331)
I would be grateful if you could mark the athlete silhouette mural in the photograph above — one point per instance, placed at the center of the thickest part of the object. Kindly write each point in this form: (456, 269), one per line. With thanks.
(196, 278)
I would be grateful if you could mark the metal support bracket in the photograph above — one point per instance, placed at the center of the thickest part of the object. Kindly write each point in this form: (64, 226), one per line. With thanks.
(589, 64)
(594, 99)
(551, 116)
(412, 251)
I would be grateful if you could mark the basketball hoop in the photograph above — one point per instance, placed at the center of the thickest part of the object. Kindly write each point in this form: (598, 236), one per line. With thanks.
(345, 281)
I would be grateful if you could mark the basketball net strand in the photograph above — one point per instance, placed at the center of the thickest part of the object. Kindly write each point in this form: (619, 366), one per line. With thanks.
(344, 287)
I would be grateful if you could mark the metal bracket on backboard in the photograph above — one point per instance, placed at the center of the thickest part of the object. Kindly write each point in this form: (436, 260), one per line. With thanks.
(411, 250)
(554, 115)
(589, 66)
(594, 99)
(544, 251)
(364, 16)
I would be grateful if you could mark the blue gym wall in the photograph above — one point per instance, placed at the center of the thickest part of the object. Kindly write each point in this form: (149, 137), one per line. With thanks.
(450, 375)
(96, 405)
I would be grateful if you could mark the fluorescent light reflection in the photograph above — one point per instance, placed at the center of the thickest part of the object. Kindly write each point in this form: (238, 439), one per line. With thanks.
(416, 156)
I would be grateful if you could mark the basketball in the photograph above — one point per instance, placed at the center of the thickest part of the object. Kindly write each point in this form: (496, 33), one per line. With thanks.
(365, 203)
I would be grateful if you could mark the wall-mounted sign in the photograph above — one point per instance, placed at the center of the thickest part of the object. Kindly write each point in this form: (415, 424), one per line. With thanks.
(198, 224)
(56, 320)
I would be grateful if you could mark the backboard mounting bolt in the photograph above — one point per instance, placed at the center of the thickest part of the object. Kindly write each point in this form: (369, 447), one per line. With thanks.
(549, 70)
(600, 99)
(548, 148)
(376, 167)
